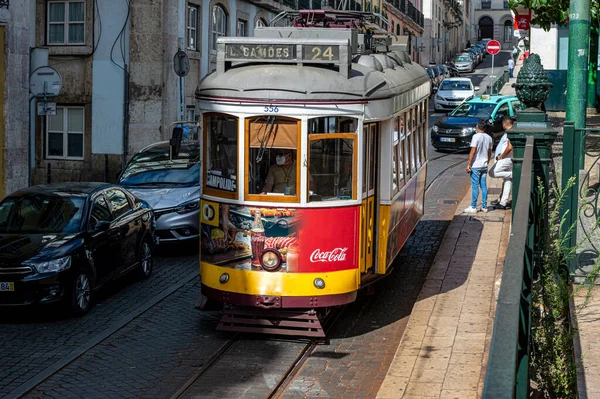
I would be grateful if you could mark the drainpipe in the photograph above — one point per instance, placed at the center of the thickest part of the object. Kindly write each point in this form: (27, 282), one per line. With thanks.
(125, 117)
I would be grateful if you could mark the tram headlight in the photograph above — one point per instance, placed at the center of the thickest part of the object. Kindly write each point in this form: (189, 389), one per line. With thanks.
(270, 259)
(224, 278)
(434, 129)
(467, 131)
(319, 283)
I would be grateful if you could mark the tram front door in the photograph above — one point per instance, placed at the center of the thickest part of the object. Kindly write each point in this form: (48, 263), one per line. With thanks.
(369, 203)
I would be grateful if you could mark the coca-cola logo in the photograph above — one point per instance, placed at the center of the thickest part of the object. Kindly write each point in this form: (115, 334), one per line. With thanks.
(335, 255)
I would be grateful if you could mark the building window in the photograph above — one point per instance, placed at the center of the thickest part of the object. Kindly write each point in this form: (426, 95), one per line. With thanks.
(241, 27)
(219, 25)
(64, 133)
(191, 113)
(192, 28)
(506, 4)
(508, 31)
(486, 4)
(260, 23)
(66, 22)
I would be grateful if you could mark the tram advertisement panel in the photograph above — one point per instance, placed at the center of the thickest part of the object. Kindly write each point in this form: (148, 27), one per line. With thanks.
(303, 240)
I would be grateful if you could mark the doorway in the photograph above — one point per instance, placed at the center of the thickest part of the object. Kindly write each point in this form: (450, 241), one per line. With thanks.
(486, 28)
(369, 204)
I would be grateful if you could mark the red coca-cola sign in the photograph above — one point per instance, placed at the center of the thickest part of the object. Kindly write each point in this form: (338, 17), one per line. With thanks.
(335, 255)
(328, 239)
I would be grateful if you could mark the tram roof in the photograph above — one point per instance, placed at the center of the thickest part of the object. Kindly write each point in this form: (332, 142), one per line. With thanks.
(247, 70)
(312, 83)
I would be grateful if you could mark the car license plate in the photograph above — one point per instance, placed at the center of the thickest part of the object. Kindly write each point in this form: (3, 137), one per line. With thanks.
(7, 286)
(448, 139)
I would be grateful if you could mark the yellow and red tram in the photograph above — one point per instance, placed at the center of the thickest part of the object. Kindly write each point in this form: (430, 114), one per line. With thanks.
(314, 166)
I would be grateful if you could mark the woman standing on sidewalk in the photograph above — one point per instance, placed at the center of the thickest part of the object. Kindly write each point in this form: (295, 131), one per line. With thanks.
(477, 167)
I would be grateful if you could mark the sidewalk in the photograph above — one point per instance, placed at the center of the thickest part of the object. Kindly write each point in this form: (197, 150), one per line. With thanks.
(444, 350)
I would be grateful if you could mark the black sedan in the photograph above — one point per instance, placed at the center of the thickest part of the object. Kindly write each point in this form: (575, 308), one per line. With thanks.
(62, 242)
(455, 131)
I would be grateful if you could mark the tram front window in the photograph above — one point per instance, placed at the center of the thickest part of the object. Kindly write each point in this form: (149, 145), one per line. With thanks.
(332, 142)
(273, 169)
(221, 154)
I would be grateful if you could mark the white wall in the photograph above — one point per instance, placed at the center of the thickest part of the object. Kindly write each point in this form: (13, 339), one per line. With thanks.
(545, 44)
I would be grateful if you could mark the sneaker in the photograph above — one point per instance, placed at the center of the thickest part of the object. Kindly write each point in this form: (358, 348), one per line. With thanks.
(470, 210)
(495, 202)
(485, 209)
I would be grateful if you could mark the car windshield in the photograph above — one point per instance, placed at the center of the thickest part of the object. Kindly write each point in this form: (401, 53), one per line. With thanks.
(153, 167)
(41, 213)
(474, 110)
(463, 58)
(455, 85)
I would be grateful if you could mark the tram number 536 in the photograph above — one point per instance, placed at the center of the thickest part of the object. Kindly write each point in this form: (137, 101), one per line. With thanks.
(271, 109)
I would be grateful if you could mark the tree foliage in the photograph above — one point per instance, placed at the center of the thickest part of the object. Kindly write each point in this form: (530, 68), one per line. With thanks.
(549, 12)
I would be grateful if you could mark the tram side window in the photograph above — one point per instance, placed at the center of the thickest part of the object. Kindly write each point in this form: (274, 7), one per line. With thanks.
(273, 169)
(332, 142)
(424, 131)
(221, 153)
(406, 146)
(397, 158)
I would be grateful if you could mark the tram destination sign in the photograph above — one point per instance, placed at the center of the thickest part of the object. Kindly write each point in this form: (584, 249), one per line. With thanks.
(281, 52)
(251, 51)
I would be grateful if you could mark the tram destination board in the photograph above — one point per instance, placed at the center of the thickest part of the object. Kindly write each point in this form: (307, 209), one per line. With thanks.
(282, 52)
(251, 51)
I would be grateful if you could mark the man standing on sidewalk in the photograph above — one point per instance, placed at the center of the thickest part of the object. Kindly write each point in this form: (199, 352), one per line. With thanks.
(503, 166)
(511, 67)
(479, 157)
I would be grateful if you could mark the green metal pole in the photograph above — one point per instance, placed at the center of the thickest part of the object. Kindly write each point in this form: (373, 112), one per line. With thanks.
(579, 35)
(593, 72)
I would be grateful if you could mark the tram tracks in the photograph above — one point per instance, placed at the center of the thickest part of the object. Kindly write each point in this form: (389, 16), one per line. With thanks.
(236, 343)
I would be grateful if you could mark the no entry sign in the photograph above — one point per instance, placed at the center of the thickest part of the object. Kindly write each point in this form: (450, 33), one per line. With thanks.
(493, 47)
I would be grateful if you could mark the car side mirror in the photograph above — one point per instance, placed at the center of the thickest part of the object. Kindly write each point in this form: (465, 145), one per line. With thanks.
(435, 89)
(477, 88)
(175, 141)
(101, 225)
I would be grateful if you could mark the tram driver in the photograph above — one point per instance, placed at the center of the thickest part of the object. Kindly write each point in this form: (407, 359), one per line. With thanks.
(281, 177)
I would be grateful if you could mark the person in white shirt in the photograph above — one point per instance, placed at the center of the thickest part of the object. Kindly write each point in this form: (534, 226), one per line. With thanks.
(503, 166)
(477, 167)
(511, 66)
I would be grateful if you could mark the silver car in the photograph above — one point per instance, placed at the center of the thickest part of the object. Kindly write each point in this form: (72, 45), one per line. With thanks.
(172, 188)
(463, 63)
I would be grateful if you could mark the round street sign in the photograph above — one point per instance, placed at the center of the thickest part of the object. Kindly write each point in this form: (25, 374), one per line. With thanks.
(181, 63)
(493, 47)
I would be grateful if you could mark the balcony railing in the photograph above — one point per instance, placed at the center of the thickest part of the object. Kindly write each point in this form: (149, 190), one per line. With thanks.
(406, 8)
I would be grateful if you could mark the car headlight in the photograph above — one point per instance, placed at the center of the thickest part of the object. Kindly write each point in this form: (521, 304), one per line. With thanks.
(434, 129)
(54, 265)
(188, 207)
(439, 98)
(467, 131)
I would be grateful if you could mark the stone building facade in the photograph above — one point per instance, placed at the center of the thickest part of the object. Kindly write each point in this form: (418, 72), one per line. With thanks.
(120, 91)
(492, 19)
(15, 30)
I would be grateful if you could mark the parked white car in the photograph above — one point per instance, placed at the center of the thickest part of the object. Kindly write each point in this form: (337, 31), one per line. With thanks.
(452, 92)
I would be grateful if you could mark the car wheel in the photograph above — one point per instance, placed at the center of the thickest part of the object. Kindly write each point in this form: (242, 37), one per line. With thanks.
(146, 261)
(82, 292)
